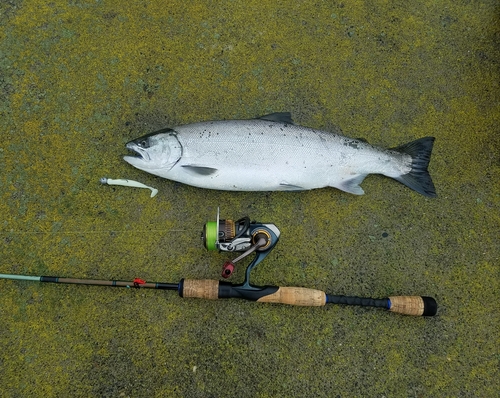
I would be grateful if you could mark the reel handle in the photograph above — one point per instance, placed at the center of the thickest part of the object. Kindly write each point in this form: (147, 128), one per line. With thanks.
(213, 290)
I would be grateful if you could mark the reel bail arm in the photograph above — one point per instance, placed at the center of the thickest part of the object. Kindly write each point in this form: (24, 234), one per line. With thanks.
(228, 267)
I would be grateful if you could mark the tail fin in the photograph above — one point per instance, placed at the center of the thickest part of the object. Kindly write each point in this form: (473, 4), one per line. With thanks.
(418, 178)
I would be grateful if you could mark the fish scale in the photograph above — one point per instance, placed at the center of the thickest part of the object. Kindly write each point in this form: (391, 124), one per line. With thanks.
(271, 153)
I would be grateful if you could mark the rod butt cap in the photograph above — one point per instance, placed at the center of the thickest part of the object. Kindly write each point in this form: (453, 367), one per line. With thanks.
(430, 306)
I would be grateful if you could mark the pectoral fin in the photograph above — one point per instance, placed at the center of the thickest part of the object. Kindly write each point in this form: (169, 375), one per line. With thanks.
(199, 170)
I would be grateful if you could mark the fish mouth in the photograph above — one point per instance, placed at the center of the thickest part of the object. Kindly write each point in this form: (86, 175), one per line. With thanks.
(137, 151)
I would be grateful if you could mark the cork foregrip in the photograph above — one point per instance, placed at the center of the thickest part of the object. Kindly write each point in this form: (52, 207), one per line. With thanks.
(296, 296)
(408, 305)
(203, 288)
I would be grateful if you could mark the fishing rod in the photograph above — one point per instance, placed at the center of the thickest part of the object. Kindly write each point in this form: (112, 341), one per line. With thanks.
(250, 237)
(213, 289)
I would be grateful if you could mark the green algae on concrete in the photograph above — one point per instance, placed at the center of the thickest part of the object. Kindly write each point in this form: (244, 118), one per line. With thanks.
(80, 78)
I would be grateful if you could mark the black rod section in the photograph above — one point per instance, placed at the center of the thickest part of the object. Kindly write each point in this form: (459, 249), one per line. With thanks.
(353, 300)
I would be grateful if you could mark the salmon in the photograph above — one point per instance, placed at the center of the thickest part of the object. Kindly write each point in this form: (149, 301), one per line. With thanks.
(271, 153)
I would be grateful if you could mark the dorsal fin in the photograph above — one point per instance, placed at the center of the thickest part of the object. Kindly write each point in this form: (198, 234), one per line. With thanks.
(281, 117)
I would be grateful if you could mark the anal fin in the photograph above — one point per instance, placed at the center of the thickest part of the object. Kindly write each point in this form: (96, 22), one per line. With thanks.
(352, 185)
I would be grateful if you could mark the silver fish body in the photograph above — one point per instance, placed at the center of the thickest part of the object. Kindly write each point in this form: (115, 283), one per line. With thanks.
(273, 154)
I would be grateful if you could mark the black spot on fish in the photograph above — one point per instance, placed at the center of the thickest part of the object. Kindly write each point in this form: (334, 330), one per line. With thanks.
(352, 144)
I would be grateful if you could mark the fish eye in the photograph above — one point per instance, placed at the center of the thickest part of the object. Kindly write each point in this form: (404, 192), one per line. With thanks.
(143, 143)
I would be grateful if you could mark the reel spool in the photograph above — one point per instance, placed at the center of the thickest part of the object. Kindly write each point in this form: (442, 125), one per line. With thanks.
(224, 234)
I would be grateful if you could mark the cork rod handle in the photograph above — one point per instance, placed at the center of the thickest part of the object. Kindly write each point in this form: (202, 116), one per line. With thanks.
(200, 288)
(296, 296)
(413, 305)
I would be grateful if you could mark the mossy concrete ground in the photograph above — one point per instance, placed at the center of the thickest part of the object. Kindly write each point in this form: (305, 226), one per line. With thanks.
(80, 78)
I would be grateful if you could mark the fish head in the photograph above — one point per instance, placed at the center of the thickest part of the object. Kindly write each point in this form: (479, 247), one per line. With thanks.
(158, 151)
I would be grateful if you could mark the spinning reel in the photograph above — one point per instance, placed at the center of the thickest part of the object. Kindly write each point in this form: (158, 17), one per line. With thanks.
(242, 235)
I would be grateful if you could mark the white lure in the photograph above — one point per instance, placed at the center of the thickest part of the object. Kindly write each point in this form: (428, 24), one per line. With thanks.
(128, 183)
